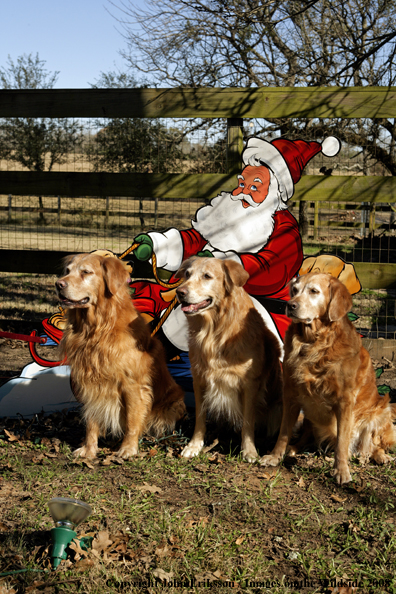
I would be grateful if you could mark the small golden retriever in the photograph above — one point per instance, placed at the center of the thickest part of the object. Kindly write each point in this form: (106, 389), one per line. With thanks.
(329, 375)
(118, 370)
(235, 359)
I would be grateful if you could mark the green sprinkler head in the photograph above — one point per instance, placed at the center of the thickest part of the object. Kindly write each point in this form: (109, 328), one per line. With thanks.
(67, 514)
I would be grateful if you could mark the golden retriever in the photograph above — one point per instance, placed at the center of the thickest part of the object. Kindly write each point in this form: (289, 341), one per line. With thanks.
(118, 370)
(329, 375)
(235, 359)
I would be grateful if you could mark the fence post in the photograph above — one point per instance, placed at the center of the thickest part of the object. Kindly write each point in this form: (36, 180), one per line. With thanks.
(59, 210)
(107, 211)
(141, 213)
(9, 207)
(316, 219)
(155, 212)
(372, 220)
(364, 218)
(234, 144)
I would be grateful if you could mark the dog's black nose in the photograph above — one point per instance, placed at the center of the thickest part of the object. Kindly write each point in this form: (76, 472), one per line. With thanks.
(61, 284)
(292, 305)
(181, 292)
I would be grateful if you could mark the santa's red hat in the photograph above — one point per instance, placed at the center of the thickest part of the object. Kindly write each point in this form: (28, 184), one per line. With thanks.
(287, 158)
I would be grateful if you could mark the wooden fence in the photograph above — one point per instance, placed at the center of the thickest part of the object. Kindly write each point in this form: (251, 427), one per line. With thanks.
(233, 104)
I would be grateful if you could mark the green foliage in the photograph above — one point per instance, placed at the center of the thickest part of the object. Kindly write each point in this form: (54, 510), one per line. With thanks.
(383, 389)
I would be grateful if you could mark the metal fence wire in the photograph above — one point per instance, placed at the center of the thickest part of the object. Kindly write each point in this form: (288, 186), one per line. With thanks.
(357, 232)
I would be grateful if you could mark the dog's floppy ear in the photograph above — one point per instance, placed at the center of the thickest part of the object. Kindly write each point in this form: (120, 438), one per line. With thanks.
(66, 261)
(115, 274)
(291, 284)
(184, 266)
(340, 300)
(235, 274)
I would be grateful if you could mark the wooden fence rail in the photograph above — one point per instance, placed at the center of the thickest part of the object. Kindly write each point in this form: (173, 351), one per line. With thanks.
(233, 104)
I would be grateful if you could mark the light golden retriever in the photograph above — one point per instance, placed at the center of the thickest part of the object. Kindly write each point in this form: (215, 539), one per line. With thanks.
(329, 375)
(118, 370)
(235, 359)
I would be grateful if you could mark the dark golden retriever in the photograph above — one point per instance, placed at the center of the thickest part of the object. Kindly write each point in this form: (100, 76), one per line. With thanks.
(329, 375)
(118, 370)
(235, 359)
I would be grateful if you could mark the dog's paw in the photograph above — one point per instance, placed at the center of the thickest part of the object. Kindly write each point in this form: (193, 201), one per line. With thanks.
(270, 460)
(341, 475)
(250, 456)
(380, 457)
(192, 449)
(126, 452)
(85, 452)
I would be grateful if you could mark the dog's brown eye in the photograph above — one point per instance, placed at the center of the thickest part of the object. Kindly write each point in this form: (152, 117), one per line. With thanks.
(86, 272)
(207, 276)
(314, 291)
(186, 274)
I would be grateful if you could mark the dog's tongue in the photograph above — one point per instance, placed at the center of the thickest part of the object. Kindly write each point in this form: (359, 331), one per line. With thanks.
(193, 307)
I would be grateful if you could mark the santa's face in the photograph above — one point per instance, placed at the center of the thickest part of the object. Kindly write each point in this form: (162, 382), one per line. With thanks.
(253, 186)
(226, 225)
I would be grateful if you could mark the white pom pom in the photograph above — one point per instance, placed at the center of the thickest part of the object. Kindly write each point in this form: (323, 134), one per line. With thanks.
(331, 146)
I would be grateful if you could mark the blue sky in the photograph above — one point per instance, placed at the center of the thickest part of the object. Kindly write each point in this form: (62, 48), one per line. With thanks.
(77, 37)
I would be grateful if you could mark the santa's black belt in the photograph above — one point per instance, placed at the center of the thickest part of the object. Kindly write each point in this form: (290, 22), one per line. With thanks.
(276, 306)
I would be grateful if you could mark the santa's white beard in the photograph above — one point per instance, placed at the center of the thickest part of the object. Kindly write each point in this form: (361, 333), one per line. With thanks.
(227, 225)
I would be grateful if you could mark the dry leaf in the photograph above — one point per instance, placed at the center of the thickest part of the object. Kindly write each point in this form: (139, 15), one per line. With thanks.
(218, 575)
(203, 520)
(79, 552)
(338, 498)
(162, 575)
(83, 564)
(153, 452)
(88, 464)
(11, 436)
(150, 488)
(209, 577)
(239, 540)
(101, 542)
(33, 588)
(301, 482)
(162, 551)
(270, 473)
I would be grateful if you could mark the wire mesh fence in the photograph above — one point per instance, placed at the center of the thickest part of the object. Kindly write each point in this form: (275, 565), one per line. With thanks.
(356, 232)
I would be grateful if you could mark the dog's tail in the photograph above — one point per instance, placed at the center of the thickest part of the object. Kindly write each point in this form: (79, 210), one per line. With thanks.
(167, 411)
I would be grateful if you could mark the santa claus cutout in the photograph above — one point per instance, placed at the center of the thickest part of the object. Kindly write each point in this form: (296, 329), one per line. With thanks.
(251, 225)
